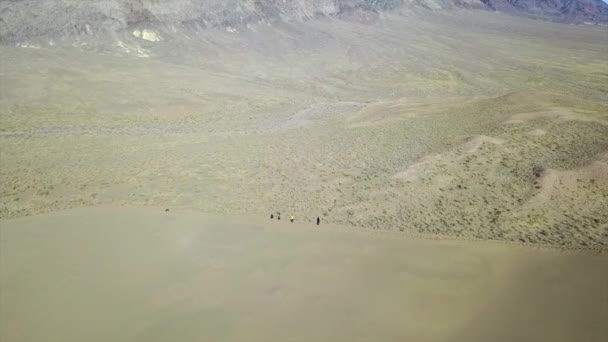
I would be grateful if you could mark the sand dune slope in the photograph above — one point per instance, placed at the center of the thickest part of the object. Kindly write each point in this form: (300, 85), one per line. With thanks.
(118, 274)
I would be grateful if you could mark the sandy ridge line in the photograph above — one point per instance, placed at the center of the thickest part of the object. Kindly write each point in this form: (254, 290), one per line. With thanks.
(599, 250)
(357, 229)
(439, 237)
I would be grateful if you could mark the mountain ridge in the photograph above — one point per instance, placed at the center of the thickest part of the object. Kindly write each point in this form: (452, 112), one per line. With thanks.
(23, 20)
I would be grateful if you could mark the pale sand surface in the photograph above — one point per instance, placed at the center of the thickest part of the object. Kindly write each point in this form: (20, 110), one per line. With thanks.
(143, 274)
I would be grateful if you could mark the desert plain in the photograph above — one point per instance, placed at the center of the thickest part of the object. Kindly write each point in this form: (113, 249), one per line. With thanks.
(458, 162)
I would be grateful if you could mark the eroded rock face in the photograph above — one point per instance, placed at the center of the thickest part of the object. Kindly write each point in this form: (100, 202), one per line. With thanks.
(150, 36)
(22, 20)
(565, 10)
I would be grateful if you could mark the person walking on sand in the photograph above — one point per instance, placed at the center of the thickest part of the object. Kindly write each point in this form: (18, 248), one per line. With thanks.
(279, 216)
(271, 216)
(291, 218)
(318, 220)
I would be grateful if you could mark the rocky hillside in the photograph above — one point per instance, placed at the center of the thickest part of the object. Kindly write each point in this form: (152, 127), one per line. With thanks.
(564, 10)
(23, 20)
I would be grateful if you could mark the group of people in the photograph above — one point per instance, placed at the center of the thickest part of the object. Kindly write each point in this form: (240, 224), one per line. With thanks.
(291, 218)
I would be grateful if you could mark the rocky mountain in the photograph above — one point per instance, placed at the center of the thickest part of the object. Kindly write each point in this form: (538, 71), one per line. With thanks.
(23, 20)
(562, 10)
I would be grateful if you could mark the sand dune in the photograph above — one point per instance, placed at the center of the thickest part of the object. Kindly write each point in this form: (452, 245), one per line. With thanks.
(120, 274)
(458, 161)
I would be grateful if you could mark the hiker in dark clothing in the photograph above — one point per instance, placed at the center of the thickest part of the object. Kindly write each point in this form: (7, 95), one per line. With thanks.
(318, 220)
(271, 216)
(279, 216)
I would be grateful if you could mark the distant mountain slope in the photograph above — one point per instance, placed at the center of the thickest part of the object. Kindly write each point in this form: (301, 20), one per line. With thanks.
(565, 10)
(21, 20)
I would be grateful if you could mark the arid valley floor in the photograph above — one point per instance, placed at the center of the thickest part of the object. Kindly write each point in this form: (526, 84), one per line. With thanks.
(485, 133)
(380, 126)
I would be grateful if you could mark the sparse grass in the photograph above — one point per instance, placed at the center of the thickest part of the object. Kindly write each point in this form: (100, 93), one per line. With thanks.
(181, 128)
